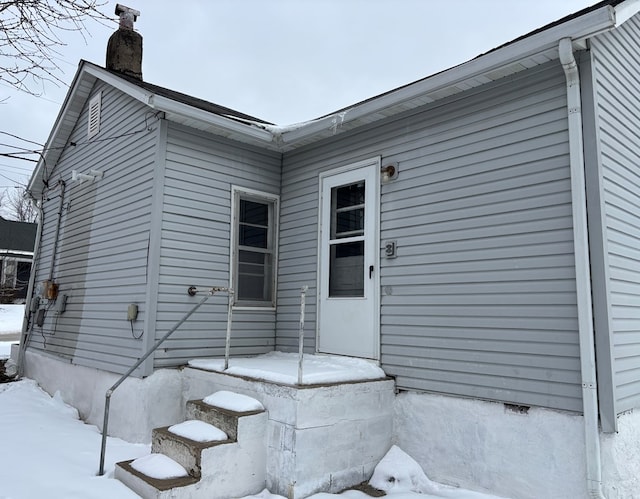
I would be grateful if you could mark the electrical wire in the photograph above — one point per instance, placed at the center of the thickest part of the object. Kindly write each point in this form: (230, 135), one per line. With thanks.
(134, 334)
(21, 150)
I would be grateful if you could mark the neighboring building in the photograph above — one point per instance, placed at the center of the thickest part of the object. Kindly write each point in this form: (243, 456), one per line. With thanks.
(16, 253)
(476, 232)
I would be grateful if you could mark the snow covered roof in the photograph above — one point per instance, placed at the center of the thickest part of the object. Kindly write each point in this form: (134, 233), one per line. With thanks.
(530, 50)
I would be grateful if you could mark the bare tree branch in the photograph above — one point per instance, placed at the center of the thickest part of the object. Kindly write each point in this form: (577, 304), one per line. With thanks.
(31, 34)
(17, 206)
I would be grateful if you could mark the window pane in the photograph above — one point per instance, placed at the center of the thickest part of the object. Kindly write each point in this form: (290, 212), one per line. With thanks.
(258, 237)
(347, 210)
(254, 276)
(350, 223)
(349, 195)
(346, 269)
(252, 212)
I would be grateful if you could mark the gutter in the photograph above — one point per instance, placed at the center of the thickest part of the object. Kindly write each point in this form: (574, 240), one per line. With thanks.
(583, 271)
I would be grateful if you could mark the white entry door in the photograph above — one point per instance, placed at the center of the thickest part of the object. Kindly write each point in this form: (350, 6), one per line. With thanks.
(348, 317)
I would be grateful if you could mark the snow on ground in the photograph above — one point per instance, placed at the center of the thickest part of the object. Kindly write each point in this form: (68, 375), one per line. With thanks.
(10, 325)
(11, 319)
(5, 348)
(50, 453)
(282, 367)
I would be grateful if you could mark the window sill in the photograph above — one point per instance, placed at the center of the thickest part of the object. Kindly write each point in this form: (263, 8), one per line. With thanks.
(253, 308)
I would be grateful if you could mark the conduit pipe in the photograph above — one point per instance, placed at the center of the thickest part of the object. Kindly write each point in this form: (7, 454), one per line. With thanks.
(583, 273)
(26, 336)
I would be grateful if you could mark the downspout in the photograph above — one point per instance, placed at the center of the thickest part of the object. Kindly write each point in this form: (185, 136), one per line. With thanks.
(583, 272)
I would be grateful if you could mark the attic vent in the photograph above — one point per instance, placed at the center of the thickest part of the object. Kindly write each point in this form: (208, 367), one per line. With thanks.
(94, 115)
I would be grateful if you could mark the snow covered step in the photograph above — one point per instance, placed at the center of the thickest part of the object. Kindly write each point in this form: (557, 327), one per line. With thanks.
(219, 452)
(154, 476)
(222, 410)
(184, 443)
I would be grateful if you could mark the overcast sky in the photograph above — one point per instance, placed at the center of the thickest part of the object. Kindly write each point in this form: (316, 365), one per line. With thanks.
(283, 61)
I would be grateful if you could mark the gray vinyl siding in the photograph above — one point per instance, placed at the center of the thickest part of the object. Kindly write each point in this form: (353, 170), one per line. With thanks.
(101, 257)
(195, 244)
(616, 63)
(480, 300)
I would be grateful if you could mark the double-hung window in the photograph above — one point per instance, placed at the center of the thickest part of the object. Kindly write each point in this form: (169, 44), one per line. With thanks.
(254, 247)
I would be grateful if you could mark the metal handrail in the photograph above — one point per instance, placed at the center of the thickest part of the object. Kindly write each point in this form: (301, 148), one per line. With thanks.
(107, 397)
(227, 343)
(303, 292)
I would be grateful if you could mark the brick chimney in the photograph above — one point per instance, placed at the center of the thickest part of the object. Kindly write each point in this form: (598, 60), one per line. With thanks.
(124, 50)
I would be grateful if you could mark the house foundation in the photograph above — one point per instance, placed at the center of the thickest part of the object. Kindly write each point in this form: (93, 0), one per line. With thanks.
(137, 406)
(513, 451)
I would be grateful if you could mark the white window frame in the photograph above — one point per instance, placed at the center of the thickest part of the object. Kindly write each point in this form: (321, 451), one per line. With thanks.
(238, 193)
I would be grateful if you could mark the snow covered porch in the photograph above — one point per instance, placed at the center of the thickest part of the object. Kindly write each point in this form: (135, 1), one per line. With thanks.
(324, 435)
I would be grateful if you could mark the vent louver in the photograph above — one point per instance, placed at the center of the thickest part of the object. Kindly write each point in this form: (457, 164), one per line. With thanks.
(94, 115)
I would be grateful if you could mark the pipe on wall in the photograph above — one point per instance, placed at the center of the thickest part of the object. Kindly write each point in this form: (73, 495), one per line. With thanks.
(583, 272)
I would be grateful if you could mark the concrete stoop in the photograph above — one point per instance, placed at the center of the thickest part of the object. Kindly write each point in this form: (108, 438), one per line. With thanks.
(319, 438)
(216, 469)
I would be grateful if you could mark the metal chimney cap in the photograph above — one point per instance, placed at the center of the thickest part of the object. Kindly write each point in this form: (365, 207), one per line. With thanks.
(127, 16)
(121, 9)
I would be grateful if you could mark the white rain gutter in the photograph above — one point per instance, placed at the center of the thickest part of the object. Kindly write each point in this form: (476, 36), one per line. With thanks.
(583, 272)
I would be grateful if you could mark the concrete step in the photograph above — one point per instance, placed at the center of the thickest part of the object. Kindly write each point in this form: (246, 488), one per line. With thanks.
(220, 417)
(215, 469)
(182, 449)
(149, 487)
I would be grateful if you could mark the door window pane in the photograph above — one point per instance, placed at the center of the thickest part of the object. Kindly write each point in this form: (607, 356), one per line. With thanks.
(346, 269)
(347, 210)
(350, 223)
(349, 195)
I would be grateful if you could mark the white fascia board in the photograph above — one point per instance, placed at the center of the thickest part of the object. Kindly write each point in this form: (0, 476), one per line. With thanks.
(211, 119)
(51, 150)
(89, 72)
(577, 29)
(626, 10)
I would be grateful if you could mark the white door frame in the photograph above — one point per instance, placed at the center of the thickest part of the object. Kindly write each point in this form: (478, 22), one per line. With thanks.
(373, 239)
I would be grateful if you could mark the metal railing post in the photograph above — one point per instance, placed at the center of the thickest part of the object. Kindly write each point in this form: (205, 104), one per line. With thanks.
(303, 292)
(227, 344)
(107, 398)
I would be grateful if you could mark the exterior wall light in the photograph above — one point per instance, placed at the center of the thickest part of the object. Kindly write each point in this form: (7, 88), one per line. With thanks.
(389, 172)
